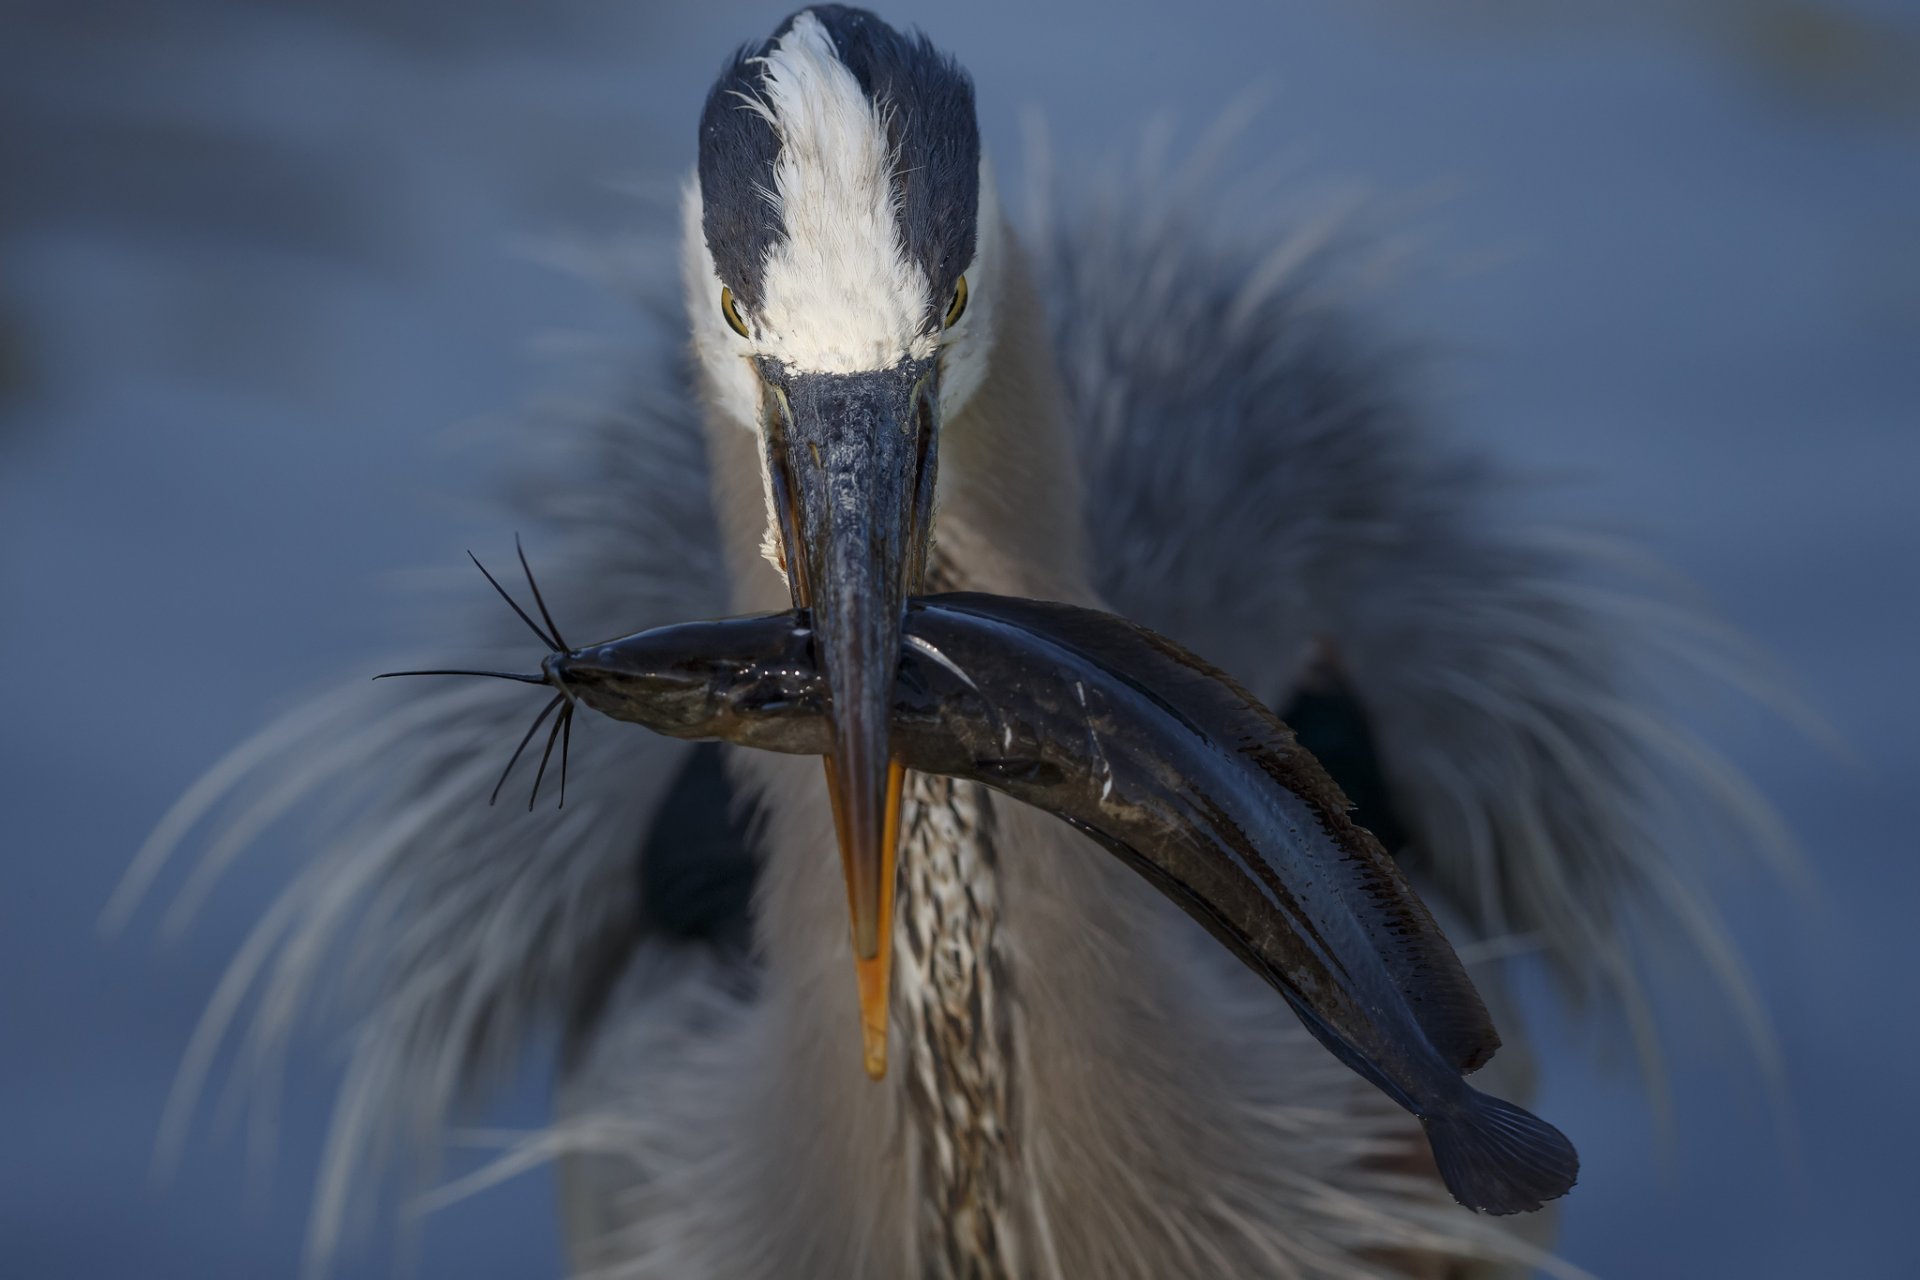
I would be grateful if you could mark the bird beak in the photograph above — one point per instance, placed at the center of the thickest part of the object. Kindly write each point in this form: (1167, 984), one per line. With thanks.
(850, 459)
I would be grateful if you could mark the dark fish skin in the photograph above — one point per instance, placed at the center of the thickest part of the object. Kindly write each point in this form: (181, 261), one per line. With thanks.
(1178, 772)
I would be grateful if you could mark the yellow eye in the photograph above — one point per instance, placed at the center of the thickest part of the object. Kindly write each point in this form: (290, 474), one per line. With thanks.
(731, 312)
(958, 307)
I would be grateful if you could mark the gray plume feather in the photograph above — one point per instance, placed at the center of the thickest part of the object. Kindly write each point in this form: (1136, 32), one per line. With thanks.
(466, 928)
(1510, 669)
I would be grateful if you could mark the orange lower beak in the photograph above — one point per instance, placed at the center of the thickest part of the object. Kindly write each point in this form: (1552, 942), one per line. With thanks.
(871, 915)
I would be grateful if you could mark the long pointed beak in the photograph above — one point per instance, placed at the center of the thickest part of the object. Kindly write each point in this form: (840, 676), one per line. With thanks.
(851, 460)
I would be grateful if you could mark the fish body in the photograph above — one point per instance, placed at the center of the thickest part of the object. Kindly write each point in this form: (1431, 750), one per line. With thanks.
(1177, 771)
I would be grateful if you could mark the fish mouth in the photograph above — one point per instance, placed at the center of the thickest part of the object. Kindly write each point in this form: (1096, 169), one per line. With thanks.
(850, 464)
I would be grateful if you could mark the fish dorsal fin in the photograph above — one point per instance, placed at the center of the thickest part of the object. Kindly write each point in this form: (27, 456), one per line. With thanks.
(1403, 932)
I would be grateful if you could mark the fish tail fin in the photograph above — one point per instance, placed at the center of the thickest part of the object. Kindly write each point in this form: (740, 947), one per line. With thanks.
(1499, 1158)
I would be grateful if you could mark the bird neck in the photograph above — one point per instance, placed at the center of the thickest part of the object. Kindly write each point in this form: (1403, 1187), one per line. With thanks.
(1009, 517)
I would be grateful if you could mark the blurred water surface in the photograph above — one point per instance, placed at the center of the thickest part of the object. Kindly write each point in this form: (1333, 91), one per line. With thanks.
(264, 262)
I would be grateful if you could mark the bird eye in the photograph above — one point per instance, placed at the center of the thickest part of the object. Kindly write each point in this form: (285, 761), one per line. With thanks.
(731, 312)
(958, 307)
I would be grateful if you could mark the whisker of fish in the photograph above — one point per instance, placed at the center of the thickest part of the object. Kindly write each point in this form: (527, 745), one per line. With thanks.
(520, 676)
(558, 642)
(546, 756)
(532, 729)
(563, 727)
(550, 641)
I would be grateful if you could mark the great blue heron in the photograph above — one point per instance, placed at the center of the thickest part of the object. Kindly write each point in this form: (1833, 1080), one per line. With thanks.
(1183, 427)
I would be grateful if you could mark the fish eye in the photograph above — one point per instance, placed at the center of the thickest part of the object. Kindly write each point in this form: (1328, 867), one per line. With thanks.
(731, 311)
(958, 307)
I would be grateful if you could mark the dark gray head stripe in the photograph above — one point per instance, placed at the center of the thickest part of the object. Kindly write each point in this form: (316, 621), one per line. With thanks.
(934, 135)
(737, 150)
(928, 105)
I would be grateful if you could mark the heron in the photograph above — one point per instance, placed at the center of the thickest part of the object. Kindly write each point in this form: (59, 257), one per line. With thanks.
(862, 1022)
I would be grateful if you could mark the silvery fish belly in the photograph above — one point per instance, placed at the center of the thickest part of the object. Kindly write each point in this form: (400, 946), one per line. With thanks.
(1175, 770)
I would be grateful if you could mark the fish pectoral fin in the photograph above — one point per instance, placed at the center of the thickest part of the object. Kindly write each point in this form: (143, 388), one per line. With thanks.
(1498, 1158)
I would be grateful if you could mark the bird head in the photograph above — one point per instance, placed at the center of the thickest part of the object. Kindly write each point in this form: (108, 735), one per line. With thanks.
(837, 274)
